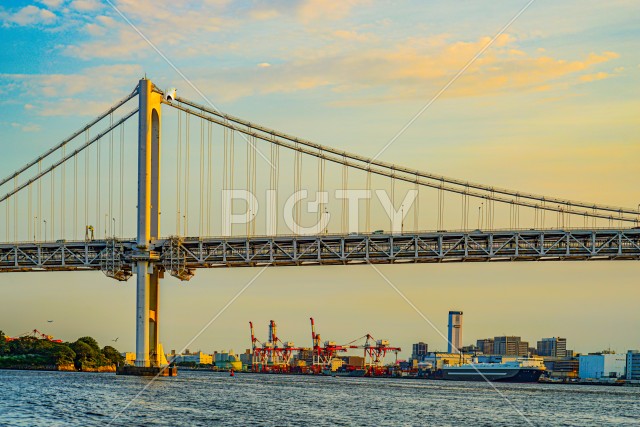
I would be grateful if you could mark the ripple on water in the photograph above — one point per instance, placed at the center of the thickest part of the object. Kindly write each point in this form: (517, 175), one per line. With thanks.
(207, 398)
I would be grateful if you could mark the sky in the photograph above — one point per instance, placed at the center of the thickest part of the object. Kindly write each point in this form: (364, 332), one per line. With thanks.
(551, 108)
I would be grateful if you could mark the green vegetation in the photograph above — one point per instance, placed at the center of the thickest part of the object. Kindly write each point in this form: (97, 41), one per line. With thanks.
(34, 353)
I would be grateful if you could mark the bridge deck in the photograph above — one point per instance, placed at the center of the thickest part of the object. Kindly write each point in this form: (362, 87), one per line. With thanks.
(178, 254)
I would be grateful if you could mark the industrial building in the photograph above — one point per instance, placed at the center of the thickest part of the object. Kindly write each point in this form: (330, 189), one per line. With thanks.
(455, 332)
(602, 365)
(552, 347)
(419, 350)
(633, 365)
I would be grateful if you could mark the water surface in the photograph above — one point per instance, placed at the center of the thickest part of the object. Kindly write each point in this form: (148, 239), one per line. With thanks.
(216, 399)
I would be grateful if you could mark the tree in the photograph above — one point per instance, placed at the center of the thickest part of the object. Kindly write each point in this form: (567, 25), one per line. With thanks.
(4, 345)
(91, 343)
(63, 355)
(112, 355)
(85, 354)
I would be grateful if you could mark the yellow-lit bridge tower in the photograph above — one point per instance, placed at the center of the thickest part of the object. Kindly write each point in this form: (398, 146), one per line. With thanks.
(149, 271)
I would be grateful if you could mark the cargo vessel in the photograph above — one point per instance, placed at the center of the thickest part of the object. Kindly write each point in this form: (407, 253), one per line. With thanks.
(345, 372)
(520, 370)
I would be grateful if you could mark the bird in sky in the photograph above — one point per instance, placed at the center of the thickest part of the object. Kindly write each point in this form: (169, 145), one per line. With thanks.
(116, 340)
(50, 321)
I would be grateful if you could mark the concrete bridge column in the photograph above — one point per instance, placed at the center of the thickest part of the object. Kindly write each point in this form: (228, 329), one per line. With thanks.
(148, 272)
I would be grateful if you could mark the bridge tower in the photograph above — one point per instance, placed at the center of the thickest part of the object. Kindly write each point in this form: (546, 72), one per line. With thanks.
(148, 270)
(148, 273)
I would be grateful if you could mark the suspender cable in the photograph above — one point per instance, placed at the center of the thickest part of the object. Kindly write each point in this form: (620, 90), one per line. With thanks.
(111, 231)
(201, 186)
(63, 194)
(186, 177)
(393, 199)
(86, 182)
(321, 171)
(179, 174)
(440, 206)
(225, 183)
(121, 219)
(274, 175)
(98, 187)
(39, 219)
(52, 217)
(75, 197)
(248, 183)
(297, 184)
(209, 175)
(416, 206)
(8, 221)
(232, 149)
(368, 219)
(30, 213)
(345, 185)
(15, 211)
(254, 208)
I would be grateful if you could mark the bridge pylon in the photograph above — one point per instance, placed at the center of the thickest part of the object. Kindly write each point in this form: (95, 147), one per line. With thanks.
(149, 271)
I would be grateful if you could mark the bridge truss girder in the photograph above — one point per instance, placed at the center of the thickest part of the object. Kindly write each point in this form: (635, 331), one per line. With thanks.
(181, 256)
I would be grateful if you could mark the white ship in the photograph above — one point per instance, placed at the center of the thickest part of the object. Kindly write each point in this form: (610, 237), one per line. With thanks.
(521, 370)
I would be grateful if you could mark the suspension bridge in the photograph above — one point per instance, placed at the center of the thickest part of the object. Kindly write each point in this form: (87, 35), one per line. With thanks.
(71, 208)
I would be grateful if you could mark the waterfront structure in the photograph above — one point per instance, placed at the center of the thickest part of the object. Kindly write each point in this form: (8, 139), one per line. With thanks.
(198, 358)
(439, 360)
(485, 346)
(228, 360)
(553, 347)
(246, 358)
(510, 346)
(562, 367)
(633, 365)
(602, 365)
(419, 350)
(455, 332)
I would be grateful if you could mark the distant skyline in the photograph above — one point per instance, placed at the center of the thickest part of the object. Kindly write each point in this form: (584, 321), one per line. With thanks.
(552, 108)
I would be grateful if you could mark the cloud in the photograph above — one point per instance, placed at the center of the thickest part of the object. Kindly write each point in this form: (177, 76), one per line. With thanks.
(167, 24)
(593, 77)
(74, 94)
(313, 10)
(86, 5)
(28, 15)
(264, 65)
(28, 127)
(52, 4)
(371, 71)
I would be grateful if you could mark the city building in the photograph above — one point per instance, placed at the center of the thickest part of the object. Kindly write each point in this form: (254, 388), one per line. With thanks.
(419, 350)
(455, 332)
(227, 360)
(470, 349)
(485, 346)
(633, 365)
(510, 346)
(562, 367)
(553, 347)
(602, 365)
(246, 358)
(198, 358)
